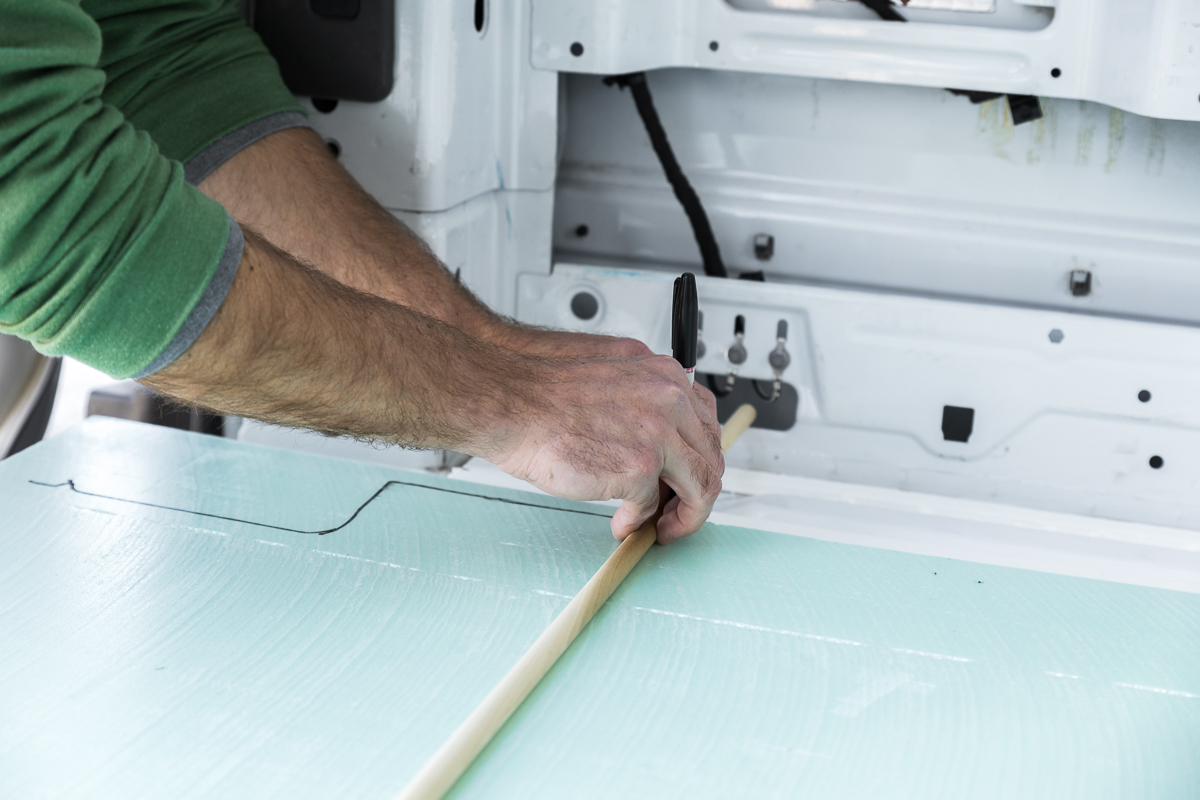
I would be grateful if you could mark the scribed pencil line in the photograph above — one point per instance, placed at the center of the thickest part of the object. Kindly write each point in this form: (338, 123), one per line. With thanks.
(357, 511)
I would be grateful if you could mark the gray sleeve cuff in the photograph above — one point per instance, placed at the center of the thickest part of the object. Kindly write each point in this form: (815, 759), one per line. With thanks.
(210, 301)
(207, 160)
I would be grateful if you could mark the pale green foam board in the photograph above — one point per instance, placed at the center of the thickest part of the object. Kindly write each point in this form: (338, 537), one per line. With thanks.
(154, 653)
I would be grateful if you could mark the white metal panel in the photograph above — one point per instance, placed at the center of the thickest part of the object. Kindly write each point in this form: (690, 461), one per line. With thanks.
(1058, 426)
(468, 113)
(907, 188)
(1139, 57)
(490, 239)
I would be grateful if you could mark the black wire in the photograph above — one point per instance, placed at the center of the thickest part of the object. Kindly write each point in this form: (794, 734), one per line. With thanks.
(1032, 108)
(710, 254)
(884, 9)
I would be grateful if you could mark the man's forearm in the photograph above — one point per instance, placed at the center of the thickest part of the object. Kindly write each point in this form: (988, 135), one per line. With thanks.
(291, 346)
(289, 189)
(293, 192)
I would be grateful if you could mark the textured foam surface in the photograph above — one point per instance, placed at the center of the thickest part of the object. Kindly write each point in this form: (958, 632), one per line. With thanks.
(150, 652)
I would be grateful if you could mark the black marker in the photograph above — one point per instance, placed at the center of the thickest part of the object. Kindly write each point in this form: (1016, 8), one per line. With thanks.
(685, 324)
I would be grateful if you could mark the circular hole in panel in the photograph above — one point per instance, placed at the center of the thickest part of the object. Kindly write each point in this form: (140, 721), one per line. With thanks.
(1056, 72)
(1144, 396)
(576, 49)
(1156, 462)
(324, 104)
(584, 305)
(713, 46)
(1056, 336)
(581, 231)
(334, 148)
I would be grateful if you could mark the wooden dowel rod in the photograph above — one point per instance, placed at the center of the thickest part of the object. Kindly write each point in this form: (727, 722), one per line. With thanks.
(736, 425)
(456, 754)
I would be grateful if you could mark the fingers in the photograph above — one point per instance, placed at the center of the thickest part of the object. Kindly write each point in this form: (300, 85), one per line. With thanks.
(694, 419)
(707, 411)
(636, 509)
(670, 512)
(696, 485)
(710, 401)
(692, 462)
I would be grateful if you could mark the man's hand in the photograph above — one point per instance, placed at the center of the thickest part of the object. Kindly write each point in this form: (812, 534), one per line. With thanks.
(613, 429)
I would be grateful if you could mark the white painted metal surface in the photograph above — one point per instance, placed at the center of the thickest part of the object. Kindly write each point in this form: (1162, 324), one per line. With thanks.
(916, 236)
(1140, 57)
(1057, 425)
(902, 188)
(469, 114)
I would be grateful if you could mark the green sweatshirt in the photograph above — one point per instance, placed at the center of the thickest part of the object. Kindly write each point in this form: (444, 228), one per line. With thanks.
(109, 111)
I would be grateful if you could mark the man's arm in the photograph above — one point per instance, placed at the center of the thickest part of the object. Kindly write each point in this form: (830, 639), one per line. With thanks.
(292, 346)
(292, 191)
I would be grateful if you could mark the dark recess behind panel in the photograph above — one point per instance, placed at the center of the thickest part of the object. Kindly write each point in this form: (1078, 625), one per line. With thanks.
(777, 416)
(337, 49)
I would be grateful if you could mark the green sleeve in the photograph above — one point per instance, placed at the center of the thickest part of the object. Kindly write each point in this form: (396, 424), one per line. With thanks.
(193, 75)
(105, 251)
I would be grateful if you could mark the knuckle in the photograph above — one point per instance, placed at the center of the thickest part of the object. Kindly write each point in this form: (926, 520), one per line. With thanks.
(646, 465)
(708, 479)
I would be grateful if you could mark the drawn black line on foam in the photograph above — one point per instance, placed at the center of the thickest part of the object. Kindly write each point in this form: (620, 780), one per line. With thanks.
(357, 511)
